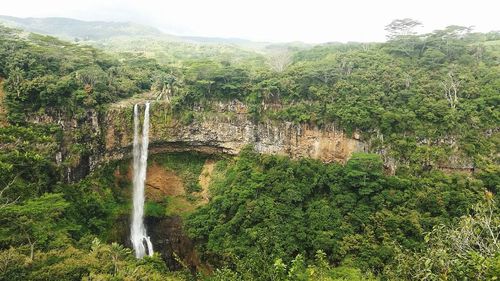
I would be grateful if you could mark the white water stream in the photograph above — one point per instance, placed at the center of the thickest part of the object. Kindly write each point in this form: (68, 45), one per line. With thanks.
(140, 241)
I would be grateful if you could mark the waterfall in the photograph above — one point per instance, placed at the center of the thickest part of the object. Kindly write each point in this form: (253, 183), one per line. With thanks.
(140, 241)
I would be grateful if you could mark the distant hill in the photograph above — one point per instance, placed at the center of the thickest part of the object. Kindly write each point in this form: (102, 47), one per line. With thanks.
(79, 30)
(72, 29)
(149, 41)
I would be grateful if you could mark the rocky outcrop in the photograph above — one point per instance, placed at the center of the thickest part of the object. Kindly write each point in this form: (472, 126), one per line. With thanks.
(221, 127)
(226, 128)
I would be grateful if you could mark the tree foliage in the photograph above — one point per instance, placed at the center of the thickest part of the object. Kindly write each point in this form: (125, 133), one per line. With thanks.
(422, 104)
(270, 208)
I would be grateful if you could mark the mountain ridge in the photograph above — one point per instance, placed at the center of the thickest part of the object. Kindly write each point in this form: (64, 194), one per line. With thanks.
(76, 29)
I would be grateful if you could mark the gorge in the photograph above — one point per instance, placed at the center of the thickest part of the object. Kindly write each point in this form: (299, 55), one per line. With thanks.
(357, 161)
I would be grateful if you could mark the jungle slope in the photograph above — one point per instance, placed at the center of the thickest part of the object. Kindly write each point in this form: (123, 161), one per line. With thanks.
(267, 217)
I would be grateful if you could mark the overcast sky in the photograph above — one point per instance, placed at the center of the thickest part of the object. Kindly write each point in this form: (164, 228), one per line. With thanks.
(310, 21)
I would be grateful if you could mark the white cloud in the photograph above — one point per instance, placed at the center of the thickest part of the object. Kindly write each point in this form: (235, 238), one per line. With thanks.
(278, 20)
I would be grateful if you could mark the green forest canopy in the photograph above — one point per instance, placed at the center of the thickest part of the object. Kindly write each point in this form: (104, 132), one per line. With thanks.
(416, 99)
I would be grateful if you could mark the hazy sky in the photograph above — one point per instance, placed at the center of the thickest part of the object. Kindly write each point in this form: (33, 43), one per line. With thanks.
(271, 20)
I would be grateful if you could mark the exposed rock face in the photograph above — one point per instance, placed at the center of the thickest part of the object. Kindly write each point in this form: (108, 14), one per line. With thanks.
(161, 182)
(214, 129)
(227, 130)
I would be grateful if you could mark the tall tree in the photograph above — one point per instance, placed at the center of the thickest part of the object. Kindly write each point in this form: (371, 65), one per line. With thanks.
(401, 27)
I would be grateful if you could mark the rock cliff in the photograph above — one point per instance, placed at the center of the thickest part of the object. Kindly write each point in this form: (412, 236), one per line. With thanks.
(95, 138)
(226, 128)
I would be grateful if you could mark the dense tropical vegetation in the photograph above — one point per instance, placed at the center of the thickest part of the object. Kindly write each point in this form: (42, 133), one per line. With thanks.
(423, 205)
(269, 209)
